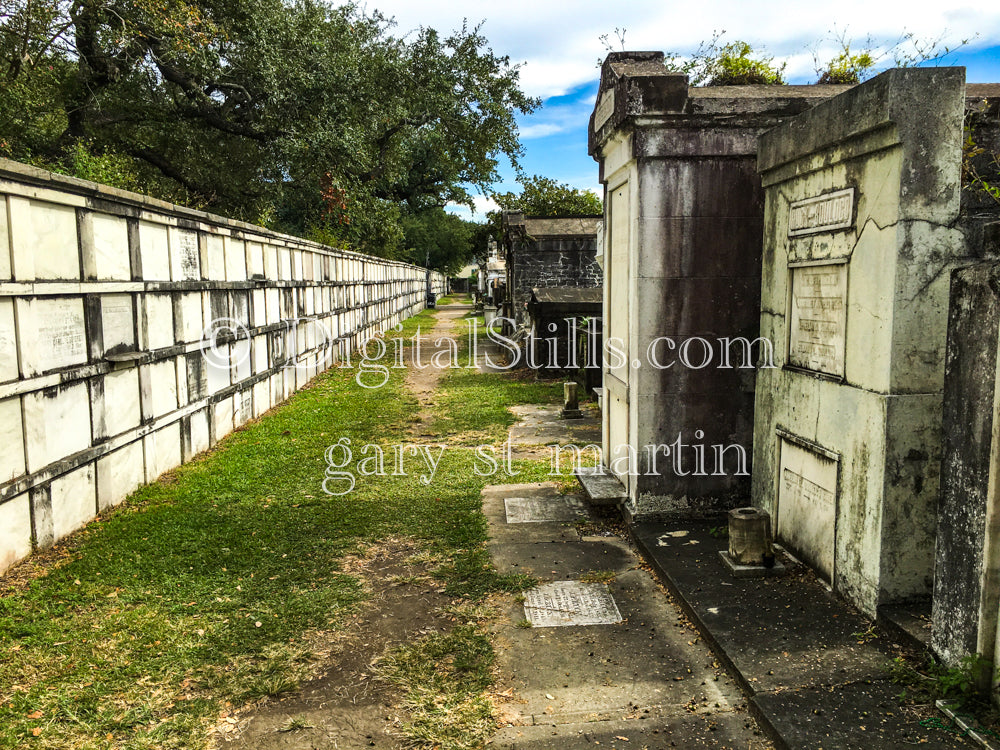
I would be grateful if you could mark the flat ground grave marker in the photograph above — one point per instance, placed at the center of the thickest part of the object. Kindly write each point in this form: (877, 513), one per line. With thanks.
(564, 603)
(540, 510)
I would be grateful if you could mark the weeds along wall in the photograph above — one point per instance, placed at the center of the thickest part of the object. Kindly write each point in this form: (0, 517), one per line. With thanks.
(135, 334)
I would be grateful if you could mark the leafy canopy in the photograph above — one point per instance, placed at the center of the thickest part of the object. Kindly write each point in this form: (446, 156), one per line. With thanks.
(290, 113)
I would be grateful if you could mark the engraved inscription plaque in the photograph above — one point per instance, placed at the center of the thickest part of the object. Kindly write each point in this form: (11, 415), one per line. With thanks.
(824, 213)
(605, 106)
(537, 510)
(564, 603)
(817, 335)
(187, 253)
(807, 494)
(60, 334)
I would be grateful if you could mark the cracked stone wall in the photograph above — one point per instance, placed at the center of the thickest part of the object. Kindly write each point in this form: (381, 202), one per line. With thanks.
(863, 225)
(967, 566)
(109, 306)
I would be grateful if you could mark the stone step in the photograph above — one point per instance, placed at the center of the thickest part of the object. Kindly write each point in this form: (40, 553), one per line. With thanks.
(601, 488)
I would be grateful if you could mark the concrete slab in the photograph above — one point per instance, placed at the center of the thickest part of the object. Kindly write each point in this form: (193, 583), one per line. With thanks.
(545, 425)
(602, 489)
(857, 716)
(542, 494)
(562, 560)
(777, 632)
(534, 510)
(736, 570)
(723, 731)
(815, 669)
(570, 603)
(575, 674)
(910, 622)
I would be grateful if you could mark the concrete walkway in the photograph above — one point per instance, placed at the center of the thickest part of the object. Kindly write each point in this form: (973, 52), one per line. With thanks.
(642, 679)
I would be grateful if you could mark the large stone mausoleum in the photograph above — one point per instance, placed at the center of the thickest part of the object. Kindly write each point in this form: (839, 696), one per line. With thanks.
(781, 266)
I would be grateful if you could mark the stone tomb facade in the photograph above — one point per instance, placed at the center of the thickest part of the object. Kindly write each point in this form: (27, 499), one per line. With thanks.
(684, 217)
(863, 224)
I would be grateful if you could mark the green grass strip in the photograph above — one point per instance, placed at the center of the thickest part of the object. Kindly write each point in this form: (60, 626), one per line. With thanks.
(196, 593)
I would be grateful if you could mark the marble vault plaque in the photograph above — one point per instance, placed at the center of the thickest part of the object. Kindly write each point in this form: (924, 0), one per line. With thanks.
(564, 603)
(818, 334)
(58, 335)
(540, 510)
(187, 255)
(117, 322)
(807, 494)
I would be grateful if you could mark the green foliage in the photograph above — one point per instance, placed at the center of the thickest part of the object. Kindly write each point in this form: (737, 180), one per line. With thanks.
(736, 63)
(198, 590)
(543, 196)
(438, 239)
(444, 677)
(260, 108)
(539, 196)
(930, 681)
(848, 67)
(981, 153)
(732, 64)
(853, 64)
(108, 168)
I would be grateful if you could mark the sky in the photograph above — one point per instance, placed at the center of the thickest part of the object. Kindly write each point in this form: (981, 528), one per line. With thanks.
(558, 45)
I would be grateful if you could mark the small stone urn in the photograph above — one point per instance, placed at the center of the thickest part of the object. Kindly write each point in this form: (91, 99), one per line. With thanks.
(750, 537)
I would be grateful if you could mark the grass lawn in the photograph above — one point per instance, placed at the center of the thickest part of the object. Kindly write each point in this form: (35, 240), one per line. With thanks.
(198, 593)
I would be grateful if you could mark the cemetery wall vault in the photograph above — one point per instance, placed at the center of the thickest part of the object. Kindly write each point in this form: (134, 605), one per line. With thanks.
(683, 223)
(863, 224)
(135, 334)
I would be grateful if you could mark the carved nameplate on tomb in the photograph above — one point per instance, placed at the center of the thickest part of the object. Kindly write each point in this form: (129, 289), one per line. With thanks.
(807, 503)
(824, 213)
(246, 406)
(540, 510)
(563, 603)
(605, 107)
(817, 336)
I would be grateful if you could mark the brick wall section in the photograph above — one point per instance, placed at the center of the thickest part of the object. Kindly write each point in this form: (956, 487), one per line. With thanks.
(107, 373)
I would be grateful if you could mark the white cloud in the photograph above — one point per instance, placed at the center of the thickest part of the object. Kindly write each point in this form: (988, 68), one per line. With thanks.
(558, 41)
(541, 129)
(557, 116)
(482, 205)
